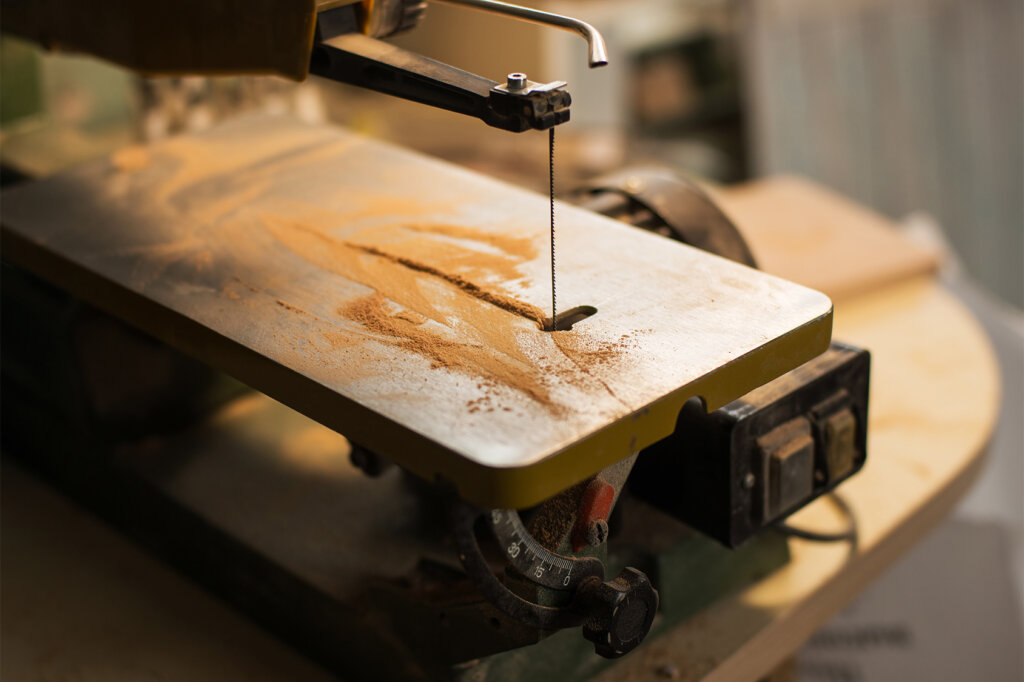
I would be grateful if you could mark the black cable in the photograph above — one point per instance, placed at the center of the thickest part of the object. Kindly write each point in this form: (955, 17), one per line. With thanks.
(848, 535)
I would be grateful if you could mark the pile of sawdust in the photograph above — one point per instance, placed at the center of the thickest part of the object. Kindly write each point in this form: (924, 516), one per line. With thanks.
(592, 353)
(444, 301)
(398, 330)
(512, 305)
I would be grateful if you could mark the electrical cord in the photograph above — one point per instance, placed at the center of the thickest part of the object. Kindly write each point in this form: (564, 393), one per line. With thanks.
(850, 534)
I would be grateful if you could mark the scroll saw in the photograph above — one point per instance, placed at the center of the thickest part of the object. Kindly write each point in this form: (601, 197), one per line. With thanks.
(400, 301)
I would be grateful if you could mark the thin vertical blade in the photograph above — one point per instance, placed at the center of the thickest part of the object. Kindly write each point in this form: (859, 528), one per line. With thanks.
(551, 193)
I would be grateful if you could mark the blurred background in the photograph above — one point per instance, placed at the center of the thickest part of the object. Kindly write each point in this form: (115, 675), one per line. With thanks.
(914, 108)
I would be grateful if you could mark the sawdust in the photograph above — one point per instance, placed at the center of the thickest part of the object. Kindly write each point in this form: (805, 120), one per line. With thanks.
(482, 257)
(592, 353)
(588, 355)
(373, 313)
(525, 310)
(238, 290)
(250, 287)
(199, 159)
(521, 247)
(489, 399)
(423, 301)
(412, 289)
(334, 256)
(288, 306)
(337, 340)
(207, 210)
(554, 519)
(439, 290)
(410, 316)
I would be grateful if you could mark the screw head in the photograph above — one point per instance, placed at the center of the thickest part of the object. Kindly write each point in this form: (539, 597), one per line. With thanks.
(516, 81)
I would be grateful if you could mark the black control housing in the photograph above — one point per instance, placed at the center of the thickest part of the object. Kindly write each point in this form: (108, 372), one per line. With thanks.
(735, 471)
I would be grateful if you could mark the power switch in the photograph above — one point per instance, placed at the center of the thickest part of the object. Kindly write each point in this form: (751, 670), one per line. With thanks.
(788, 457)
(840, 443)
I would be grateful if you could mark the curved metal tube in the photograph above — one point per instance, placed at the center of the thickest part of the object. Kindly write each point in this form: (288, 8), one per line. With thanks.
(598, 52)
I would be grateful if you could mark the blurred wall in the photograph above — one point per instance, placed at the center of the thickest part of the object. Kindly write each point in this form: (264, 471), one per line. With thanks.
(904, 105)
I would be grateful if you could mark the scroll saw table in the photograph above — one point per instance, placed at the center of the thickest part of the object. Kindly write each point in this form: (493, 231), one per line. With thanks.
(400, 301)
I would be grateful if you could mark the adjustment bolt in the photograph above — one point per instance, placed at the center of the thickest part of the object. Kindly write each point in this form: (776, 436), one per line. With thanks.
(622, 611)
(516, 81)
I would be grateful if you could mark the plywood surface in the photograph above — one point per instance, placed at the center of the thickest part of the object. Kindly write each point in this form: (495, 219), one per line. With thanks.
(808, 234)
(400, 300)
(82, 604)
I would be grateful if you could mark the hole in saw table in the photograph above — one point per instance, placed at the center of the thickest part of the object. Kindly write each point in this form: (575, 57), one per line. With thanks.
(567, 318)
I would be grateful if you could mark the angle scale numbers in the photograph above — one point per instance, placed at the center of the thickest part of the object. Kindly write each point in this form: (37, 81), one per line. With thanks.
(533, 561)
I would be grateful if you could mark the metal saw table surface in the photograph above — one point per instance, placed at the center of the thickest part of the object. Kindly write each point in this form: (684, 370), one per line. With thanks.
(400, 300)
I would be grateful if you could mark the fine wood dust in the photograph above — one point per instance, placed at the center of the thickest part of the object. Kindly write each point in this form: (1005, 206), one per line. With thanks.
(446, 258)
(522, 247)
(591, 353)
(554, 519)
(199, 159)
(289, 306)
(477, 256)
(424, 302)
(373, 313)
(526, 310)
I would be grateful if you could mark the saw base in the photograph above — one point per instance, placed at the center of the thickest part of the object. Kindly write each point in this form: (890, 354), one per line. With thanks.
(262, 507)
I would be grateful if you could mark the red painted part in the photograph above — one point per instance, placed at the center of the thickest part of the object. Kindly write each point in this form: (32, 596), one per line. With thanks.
(595, 505)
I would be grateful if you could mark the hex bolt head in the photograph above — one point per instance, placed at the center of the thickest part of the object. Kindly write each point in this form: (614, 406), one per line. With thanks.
(516, 81)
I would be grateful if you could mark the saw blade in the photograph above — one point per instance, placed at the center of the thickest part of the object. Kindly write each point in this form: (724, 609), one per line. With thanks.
(551, 196)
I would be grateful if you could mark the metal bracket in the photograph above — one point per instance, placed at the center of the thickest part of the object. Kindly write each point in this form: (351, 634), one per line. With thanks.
(529, 88)
(359, 60)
